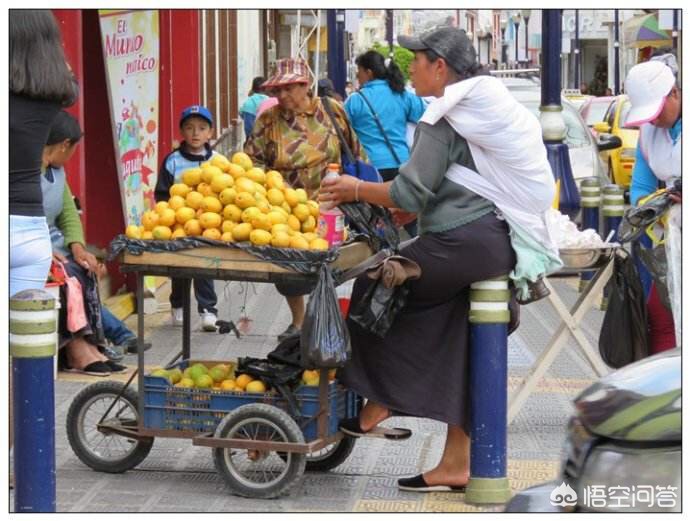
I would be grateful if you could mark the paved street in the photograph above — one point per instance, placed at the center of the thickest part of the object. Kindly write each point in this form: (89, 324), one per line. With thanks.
(178, 477)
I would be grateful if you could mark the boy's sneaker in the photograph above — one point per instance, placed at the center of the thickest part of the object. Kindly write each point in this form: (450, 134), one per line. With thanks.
(114, 353)
(208, 321)
(176, 317)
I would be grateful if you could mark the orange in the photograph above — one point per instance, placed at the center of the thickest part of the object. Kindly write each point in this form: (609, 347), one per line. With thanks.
(227, 196)
(257, 175)
(309, 224)
(241, 232)
(180, 189)
(178, 234)
(301, 195)
(192, 176)
(192, 228)
(318, 244)
(243, 380)
(210, 220)
(211, 204)
(176, 202)
(220, 161)
(208, 172)
(280, 228)
(280, 240)
(150, 220)
(228, 385)
(260, 237)
(313, 208)
(244, 184)
(245, 200)
(212, 233)
(274, 179)
(161, 233)
(166, 217)
(235, 170)
(294, 223)
(132, 231)
(291, 197)
(147, 235)
(227, 226)
(310, 236)
(205, 189)
(221, 181)
(301, 211)
(160, 206)
(299, 243)
(250, 213)
(193, 199)
(263, 205)
(261, 222)
(275, 196)
(242, 159)
(184, 214)
(277, 217)
(227, 237)
(232, 212)
(255, 386)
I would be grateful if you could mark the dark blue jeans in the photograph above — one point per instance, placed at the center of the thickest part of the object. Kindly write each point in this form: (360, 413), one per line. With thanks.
(114, 329)
(203, 291)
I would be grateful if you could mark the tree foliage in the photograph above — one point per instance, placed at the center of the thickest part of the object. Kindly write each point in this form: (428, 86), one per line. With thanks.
(401, 56)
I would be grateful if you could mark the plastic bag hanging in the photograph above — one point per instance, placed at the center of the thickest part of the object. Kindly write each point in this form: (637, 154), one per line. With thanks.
(325, 340)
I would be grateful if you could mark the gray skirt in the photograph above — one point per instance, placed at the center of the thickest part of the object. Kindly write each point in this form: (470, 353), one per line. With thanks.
(421, 367)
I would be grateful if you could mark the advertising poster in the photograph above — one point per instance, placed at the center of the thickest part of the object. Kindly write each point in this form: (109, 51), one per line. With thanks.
(130, 42)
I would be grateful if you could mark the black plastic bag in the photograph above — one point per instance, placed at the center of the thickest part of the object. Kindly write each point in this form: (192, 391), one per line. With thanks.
(654, 259)
(379, 306)
(325, 340)
(623, 338)
(373, 221)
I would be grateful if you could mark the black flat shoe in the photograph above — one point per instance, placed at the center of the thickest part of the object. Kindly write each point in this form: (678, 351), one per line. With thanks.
(93, 369)
(417, 484)
(115, 367)
(351, 427)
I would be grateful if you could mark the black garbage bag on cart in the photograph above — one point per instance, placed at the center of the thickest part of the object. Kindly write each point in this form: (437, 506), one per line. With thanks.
(279, 376)
(325, 340)
(374, 222)
(623, 338)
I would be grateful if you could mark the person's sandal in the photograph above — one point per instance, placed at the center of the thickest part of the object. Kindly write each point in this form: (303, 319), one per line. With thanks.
(418, 484)
(115, 367)
(93, 369)
(351, 427)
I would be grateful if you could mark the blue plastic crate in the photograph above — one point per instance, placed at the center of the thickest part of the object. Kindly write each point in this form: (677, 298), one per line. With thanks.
(201, 410)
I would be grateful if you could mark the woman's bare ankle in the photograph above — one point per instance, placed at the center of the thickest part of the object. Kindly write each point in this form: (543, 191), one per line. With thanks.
(371, 415)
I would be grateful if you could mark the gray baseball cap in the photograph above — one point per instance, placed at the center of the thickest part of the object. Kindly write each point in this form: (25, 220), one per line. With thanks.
(450, 43)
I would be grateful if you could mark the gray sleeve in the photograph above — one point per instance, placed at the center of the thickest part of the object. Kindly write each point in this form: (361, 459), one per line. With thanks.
(419, 178)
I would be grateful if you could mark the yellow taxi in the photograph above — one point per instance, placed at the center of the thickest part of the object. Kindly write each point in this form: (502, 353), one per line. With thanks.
(620, 160)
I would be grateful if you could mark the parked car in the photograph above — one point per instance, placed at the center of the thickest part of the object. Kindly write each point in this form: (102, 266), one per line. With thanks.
(582, 148)
(575, 97)
(594, 110)
(620, 161)
(623, 447)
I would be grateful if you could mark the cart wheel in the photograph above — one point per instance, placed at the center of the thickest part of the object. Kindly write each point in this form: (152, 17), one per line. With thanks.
(254, 473)
(105, 452)
(330, 456)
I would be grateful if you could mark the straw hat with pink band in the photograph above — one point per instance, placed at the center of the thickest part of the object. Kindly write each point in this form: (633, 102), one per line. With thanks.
(288, 71)
(647, 86)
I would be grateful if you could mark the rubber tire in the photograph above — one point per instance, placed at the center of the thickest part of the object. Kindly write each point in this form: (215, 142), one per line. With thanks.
(292, 431)
(340, 453)
(80, 400)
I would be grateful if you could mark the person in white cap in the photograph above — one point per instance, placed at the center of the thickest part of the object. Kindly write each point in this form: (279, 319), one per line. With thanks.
(656, 108)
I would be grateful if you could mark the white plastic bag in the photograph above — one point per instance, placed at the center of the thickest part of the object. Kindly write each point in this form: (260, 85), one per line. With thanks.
(673, 245)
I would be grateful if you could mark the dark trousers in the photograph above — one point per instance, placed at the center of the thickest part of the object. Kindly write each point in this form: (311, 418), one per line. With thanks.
(203, 291)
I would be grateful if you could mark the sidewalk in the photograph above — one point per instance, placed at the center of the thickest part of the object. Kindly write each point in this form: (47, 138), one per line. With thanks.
(178, 477)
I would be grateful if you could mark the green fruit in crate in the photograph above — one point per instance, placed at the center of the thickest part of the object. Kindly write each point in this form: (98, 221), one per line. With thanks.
(218, 374)
(162, 373)
(197, 370)
(222, 367)
(175, 375)
(203, 382)
(186, 383)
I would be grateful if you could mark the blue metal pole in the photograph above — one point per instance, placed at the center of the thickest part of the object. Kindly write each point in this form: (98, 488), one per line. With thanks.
(590, 189)
(551, 117)
(33, 345)
(332, 54)
(489, 317)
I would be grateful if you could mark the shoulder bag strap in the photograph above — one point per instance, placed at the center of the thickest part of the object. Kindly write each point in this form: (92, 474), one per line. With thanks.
(343, 143)
(378, 122)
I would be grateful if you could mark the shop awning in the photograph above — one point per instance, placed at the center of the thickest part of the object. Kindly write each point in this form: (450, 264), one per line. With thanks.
(643, 31)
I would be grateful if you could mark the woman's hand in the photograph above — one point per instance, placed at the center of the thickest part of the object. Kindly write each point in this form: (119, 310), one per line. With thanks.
(341, 190)
(59, 257)
(82, 257)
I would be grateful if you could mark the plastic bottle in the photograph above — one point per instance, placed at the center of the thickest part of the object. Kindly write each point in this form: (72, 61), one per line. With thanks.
(331, 220)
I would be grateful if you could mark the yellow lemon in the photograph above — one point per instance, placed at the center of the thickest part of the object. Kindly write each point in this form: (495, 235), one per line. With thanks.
(259, 189)
(211, 204)
(232, 212)
(309, 224)
(209, 172)
(227, 196)
(176, 202)
(227, 385)
(227, 226)
(260, 237)
(255, 386)
(178, 234)
(184, 214)
(220, 161)
(280, 209)
(147, 235)
(149, 220)
(210, 220)
(301, 211)
(193, 199)
(199, 211)
(192, 228)
(310, 236)
(235, 170)
(313, 208)
(250, 213)
(257, 175)
(227, 237)
(221, 181)
(212, 233)
(261, 222)
(191, 176)
(318, 244)
(242, 159)
(244, 184)
(180, 189)
(277, 217)
(132, 231)
(245, 200)
(286, 208)
(299, 243)
(242, 380)
(166, 217)
(160, 206)
(280, 240)
(205, 189)
(161, 233)
(291, 197)
(280, 228)
(274, 179)
(302, 195)
(294, 223)
(241, 232)
(262, 204)
(275, 196)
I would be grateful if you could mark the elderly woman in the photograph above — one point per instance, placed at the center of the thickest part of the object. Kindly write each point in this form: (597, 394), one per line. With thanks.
(420, 367)
(296, 137)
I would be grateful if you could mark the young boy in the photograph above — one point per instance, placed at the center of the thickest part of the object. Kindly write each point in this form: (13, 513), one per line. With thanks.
(196, 127)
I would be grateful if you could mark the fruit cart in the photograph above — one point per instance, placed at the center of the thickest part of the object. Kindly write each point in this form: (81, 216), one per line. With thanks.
(262, 442)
